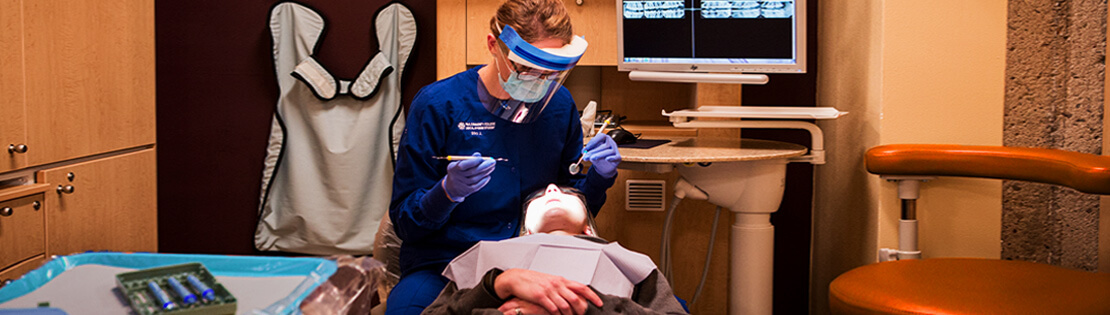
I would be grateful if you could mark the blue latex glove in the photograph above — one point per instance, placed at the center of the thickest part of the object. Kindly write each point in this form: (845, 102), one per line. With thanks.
(467, 176)
(603, 153)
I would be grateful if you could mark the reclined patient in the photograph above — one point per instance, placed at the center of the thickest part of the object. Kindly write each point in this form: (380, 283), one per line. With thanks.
(558, 265)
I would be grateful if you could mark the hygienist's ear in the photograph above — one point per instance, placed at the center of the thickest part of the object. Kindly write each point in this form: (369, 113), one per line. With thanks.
(491, 44)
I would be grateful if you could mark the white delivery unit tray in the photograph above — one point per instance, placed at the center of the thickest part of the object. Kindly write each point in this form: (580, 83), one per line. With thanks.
(771, 112)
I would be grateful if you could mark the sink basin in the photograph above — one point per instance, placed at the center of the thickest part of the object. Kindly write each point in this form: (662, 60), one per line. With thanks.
(743, 186)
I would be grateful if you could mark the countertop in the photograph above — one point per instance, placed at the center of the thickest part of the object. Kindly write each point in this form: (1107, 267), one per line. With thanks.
(692, 150)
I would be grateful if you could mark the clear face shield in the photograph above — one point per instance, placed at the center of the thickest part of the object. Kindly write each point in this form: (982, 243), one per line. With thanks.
(534, 75)
(557, 210)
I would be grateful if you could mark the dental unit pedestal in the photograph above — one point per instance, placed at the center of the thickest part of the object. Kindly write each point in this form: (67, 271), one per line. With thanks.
(744, 175)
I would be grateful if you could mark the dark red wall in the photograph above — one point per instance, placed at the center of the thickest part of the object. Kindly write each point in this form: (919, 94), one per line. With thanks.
(216, 96)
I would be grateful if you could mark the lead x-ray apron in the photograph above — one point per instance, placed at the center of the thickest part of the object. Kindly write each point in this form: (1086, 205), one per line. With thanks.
(329, 168)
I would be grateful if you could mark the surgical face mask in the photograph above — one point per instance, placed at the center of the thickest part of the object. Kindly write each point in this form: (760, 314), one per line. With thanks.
(525, 90)
(556, 210)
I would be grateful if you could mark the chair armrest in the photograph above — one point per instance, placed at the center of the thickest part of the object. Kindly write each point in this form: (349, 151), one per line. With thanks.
(1088, 173)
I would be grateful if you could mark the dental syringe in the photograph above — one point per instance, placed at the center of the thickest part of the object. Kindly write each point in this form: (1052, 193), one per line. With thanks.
(468, 157)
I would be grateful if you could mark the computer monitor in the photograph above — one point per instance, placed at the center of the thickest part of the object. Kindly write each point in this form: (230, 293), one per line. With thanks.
(739, 36)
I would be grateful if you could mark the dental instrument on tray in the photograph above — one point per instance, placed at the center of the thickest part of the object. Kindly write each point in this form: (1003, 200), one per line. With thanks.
(577, 166)
(468, 157)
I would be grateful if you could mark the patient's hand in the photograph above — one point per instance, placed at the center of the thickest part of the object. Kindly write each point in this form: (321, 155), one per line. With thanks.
(525, 307)
(555, 294)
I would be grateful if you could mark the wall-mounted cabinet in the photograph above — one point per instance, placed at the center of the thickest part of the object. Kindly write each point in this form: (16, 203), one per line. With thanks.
(12, 132)
(89, 71)
(76, 79)
(76, 97)
(462, 37)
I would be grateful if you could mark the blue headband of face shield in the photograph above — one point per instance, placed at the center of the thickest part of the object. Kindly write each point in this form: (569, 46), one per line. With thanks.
(558, 59)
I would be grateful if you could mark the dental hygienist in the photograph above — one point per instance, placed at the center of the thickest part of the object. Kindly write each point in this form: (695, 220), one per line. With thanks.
(515, 113)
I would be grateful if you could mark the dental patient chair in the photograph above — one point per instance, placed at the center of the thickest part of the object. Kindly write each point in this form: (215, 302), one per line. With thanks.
(909, 285)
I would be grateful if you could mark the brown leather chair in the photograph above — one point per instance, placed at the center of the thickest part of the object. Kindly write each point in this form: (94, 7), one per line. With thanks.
(969, 285)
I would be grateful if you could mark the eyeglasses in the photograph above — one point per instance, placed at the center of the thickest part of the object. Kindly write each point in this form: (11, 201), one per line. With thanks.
(528, 73)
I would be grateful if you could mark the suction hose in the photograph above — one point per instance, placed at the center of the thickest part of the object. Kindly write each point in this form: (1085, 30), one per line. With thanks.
(682, 190)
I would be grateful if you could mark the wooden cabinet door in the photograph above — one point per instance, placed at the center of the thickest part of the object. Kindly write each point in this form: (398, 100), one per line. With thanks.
(89, 69)
(596, 20)
(112, 206)
(12, 119)
(22, 230)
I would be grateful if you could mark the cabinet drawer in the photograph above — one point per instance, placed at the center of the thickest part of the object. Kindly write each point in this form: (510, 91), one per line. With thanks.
(22, 229)
(15, 272)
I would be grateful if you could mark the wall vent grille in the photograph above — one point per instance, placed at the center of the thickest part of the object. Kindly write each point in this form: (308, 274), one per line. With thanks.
(644, 195)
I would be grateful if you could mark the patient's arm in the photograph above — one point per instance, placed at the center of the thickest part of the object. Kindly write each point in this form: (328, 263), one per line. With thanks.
(556, 294)
(510, 307)
(475, 300)
(651, 296)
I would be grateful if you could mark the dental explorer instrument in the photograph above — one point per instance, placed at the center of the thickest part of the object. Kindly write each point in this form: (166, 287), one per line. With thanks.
(577, 166)
(468, 157)
(603, 126)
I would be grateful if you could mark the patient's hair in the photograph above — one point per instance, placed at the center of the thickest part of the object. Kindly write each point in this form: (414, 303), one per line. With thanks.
(534, 20)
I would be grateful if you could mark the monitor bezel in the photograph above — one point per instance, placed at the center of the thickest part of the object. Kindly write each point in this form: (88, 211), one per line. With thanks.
(798, 67)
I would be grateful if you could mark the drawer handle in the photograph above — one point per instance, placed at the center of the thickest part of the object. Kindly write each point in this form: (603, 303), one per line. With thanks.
(67, 189)
(17, 148)
(6, 211)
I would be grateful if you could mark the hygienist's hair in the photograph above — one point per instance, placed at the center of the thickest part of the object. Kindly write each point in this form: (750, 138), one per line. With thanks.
(534, 20)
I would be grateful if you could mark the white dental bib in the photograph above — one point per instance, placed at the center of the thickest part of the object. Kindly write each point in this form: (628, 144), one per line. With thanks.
(609, 268)
(328, 172)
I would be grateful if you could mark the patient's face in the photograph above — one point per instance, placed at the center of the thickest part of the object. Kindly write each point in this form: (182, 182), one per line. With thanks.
(556, 212)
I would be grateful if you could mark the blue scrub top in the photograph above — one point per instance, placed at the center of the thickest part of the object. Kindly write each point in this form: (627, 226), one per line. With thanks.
(447, 118)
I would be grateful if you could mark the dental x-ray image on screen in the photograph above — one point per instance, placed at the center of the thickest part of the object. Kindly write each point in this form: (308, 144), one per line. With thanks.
(765, 36)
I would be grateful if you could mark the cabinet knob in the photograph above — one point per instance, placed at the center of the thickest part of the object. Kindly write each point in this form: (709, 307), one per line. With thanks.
(6, 211)
(68, 189)
(578, 2)
(17, 148)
